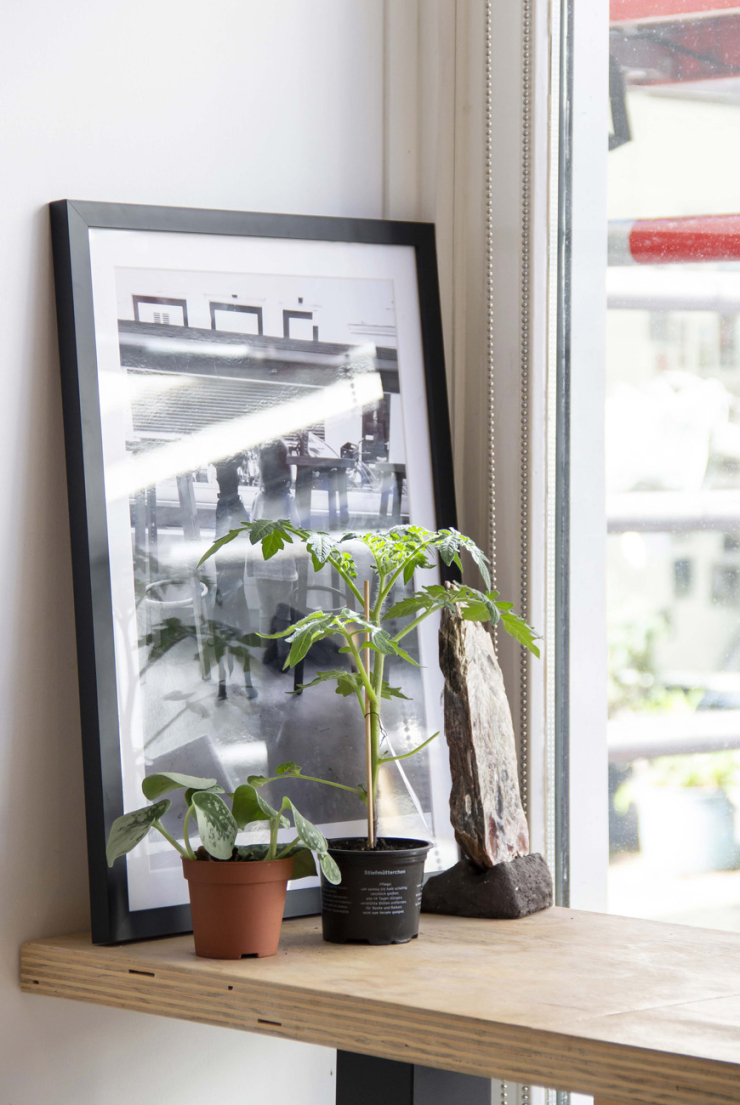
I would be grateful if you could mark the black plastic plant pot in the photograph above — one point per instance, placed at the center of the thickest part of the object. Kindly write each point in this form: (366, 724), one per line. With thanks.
(379, 898)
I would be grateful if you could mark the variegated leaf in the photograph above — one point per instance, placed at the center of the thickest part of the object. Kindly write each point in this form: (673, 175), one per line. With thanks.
(128, 830)
(216, 825)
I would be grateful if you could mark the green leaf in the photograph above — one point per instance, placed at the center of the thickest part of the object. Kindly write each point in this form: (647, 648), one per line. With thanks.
(382, 641)
(348, 684)
(156, 785)
(419, 560)
(470, 603)
(216, 826)
(128, 830)
(274, 542)
(305, 865)
(249, 806)
(252, 852)
(194, 790)
(340, 674)
(476, 612)
(449, 545)
(227, 537)
(257, 780)
(275, 636)
(392, 692)
(495, 613)
(321, 546)
(309, 834)
(517, 628)
(481, 561)
(405, 656)
(411, 605)
(261, 528)
(331, 872)
(299, 648)
(308, 633)
(288, 768)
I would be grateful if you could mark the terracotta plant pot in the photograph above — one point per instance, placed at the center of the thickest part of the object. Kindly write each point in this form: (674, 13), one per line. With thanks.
(237, 908)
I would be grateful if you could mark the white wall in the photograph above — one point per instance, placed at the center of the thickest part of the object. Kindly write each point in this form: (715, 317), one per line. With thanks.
(246, 104)
(368, 108)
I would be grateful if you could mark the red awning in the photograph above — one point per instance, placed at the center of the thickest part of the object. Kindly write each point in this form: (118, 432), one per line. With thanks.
(675, 241)
(647, 11)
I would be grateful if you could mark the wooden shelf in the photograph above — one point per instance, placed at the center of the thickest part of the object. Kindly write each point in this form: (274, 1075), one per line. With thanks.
(639, 1012)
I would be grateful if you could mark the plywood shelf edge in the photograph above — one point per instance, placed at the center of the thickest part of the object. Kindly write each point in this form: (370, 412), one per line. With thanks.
(635, 1012)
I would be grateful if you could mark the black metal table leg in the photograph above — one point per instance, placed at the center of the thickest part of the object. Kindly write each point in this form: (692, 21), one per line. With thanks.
(365, 1080)
(303, 490)
(448, 1087)
(343, 497)
(332, 498)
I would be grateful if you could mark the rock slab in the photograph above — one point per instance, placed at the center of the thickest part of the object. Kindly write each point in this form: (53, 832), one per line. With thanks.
(485, 805)
(504, 892)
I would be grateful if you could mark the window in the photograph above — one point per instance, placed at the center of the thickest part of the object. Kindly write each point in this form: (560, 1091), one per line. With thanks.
(236, 318)
(669, 374)
(299, 325)
(165, 312)
(683, 577)
(725, 585)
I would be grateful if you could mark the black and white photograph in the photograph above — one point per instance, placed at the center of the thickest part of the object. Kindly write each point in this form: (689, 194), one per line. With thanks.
(242, 378)
(281, 396)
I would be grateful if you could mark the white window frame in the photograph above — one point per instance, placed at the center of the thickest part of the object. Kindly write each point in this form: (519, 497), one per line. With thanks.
(567, 693)
(584, 173)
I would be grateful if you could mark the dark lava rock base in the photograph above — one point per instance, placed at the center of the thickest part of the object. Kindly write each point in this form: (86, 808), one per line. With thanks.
(504, 892)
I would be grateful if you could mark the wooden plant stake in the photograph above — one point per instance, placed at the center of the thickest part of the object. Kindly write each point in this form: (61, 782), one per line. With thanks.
(369, 736)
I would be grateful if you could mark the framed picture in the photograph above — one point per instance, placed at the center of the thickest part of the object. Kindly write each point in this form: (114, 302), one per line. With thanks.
(220, 367)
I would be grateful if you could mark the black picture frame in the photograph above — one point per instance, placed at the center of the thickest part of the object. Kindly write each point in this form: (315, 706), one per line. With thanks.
(71, 224)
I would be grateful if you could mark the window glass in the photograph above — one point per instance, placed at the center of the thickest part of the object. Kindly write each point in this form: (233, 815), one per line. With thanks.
(673, 461)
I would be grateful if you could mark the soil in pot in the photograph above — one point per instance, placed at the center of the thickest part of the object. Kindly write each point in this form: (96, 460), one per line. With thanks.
(379, 897)
(237, 908)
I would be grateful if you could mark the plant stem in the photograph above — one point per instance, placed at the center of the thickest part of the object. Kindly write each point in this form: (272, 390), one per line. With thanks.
(303, 534)
(394, 575)
(310, 779)
(378, 608)
(369, 761)
(168, 837)
(375, 730)
(188, 848)
(329, 783)
(375, 738)
(361, 667)
(405, 755)
(347, 578)
(274, 826)
(292, 844)
(417, 621)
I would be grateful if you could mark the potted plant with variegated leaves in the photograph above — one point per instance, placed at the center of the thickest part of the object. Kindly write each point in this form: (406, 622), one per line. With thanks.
(237, 891)
(378, 900)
